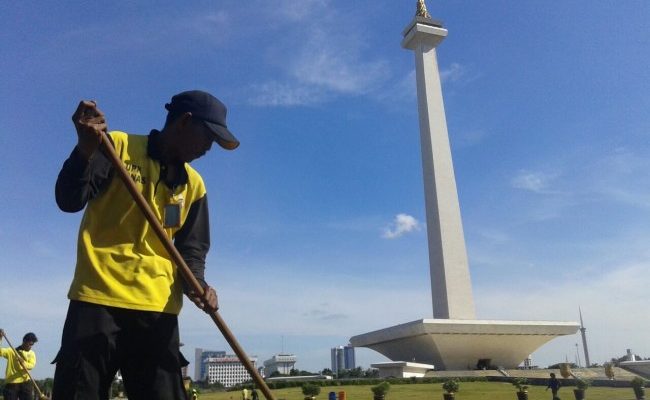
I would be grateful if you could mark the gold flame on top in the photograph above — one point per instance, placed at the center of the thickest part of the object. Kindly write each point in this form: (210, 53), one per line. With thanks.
(422, 10)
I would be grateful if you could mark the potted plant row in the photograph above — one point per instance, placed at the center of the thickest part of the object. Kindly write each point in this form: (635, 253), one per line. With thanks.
(638, 385)
(522, 388)
(450, 386)
(310, 391)
(581, 387)
(379, 391)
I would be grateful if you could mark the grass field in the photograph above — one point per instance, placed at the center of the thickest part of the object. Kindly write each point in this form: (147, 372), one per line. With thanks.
(433, 391)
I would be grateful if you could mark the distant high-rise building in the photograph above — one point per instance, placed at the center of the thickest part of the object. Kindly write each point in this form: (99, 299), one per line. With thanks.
(282, 363)
(200, 357)
(227, 370)
(342, 358)
(336, 354)
(348, 355)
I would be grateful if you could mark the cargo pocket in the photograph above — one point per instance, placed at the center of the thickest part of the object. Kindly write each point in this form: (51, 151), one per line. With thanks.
(182, 361)
(67, 359)
(172, 360)
(66, 374)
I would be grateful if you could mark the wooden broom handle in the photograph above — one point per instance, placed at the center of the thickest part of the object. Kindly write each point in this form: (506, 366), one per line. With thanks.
(185, 271)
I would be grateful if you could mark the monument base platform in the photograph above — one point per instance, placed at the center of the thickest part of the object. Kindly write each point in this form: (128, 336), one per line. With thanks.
(402, 369)
(453, 344)
(638, 367)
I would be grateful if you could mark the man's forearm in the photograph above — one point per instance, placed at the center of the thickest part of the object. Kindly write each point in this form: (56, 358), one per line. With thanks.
(80, 180)
(193, 240)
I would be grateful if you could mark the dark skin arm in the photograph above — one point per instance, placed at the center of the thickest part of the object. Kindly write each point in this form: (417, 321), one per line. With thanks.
(208, 302)
(90, 123)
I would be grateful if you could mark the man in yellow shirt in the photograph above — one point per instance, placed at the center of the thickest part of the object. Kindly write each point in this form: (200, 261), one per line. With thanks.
(126, 293)
(17, 382)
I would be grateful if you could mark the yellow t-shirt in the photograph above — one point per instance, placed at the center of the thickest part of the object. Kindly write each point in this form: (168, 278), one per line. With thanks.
(15, 372)
(120, 260)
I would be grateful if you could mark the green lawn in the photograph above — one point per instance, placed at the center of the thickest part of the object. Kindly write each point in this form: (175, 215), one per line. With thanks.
(433, 391)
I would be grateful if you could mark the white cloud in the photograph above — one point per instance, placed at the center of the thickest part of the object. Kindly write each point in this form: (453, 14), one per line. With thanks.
(400, 94)
(492, 235)
(469, 138)
(317, 62)
(316, 75)
(326, 69)
(458, 74)
(298, 10)
(324, 314)
(613, 301)
(283, 94)
(143, 35)
(622, 177)
(403, 224)
(630, 197)
(214, 25)
(454, 73)
(532, 181)
(624, 161)
(616, 177)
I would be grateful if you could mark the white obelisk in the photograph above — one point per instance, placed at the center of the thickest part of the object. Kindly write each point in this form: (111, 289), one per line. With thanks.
(450, 280)
(454, 339)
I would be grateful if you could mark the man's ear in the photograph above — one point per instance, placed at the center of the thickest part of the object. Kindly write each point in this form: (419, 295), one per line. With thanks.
(181, 123)
(185, 119)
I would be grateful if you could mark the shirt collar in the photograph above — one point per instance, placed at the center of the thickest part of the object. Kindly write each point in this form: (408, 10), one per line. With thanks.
(155, 153)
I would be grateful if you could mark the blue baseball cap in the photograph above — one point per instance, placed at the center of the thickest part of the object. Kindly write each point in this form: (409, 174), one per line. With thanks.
(210, 110)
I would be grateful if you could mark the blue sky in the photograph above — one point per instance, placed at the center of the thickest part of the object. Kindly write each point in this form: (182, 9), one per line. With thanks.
(547, 108)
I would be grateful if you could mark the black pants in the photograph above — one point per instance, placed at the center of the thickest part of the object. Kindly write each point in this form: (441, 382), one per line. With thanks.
(18, 391)
(98, 341)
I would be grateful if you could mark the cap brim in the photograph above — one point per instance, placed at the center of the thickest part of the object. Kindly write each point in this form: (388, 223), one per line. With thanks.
(222, 135)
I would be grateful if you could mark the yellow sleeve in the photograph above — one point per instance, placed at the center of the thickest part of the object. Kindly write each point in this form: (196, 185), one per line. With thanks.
(4, 352)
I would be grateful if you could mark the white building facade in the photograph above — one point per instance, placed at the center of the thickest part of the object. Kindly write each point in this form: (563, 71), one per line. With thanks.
(200, 358)
(227, 370)
(281, 363)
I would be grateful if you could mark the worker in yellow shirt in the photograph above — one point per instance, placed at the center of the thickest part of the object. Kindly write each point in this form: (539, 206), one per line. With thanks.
(17, 382)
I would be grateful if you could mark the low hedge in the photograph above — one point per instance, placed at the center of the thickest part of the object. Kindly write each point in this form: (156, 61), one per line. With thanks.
(354, 382)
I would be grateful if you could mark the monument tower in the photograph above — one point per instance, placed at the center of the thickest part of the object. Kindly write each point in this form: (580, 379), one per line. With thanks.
(583, 333)
(450, 282)
(454, 339)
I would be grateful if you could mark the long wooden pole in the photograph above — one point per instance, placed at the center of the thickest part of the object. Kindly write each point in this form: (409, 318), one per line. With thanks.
(185, 271)
(20, 361)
